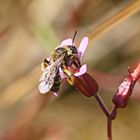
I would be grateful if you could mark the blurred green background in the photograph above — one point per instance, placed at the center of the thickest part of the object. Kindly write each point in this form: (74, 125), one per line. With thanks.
(29, 31)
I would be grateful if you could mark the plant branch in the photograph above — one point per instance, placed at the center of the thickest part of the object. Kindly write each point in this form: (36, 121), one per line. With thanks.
(126, 12)
(110, 115)
(102, 105)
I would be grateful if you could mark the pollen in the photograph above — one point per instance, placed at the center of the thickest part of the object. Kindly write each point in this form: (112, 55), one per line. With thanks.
(43, 66)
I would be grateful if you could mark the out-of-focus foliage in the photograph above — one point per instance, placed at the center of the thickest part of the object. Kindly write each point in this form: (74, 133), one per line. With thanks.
(29, 30)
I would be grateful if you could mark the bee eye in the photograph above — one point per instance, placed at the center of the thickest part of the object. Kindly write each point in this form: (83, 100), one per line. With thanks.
(60, 50)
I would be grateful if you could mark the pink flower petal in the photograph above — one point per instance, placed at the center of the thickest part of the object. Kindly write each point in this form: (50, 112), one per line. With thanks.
(56, 94)
(62, 75)
(124, 87)
(66, 42)
(136, 72)
(83, 46)
(82, 70)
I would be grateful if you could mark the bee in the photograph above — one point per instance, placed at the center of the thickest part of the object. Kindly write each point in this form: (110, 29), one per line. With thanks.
(61, 57)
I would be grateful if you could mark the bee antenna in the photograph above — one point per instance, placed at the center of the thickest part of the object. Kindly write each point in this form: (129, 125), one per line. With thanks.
(74, 37)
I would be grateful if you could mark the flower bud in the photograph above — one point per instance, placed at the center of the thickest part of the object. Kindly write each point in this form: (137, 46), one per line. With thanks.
(120, 99)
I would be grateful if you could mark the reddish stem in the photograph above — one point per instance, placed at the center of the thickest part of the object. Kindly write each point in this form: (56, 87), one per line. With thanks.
(109, 128)
(110, 115)
(102, 105)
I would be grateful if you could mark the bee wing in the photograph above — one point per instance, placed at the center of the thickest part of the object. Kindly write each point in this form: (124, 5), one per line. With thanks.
(44, 87)
(47, 78)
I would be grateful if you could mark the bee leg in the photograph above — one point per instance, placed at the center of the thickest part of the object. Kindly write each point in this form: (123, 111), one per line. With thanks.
(45, 64)
(68, 75)
(46, 61)
(77, 63)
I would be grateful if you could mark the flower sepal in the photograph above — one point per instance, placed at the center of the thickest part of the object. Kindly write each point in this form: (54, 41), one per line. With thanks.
(86, 84)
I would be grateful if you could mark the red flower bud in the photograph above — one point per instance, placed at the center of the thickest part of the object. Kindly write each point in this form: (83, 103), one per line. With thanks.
(120, 99)
(86, 85)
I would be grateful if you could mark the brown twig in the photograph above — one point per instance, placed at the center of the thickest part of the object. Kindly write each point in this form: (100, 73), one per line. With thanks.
(126, 12)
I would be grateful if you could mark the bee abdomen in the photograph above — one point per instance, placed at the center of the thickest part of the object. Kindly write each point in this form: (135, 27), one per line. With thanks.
(57, 82)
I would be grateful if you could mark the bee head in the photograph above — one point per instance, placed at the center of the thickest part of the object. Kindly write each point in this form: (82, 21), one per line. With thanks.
(71, 56)
(71, 50)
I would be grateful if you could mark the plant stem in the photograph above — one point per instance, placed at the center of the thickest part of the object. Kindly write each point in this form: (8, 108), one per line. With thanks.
(110, 115)
(102, 105)
(109, 128)
(114, 20)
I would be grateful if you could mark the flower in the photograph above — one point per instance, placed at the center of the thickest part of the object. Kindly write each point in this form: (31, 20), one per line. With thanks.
(81, 50)
(120, 99)
(80, 79)
(75, 76)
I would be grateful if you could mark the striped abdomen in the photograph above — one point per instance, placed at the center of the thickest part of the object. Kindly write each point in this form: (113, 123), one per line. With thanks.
(57, 82)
